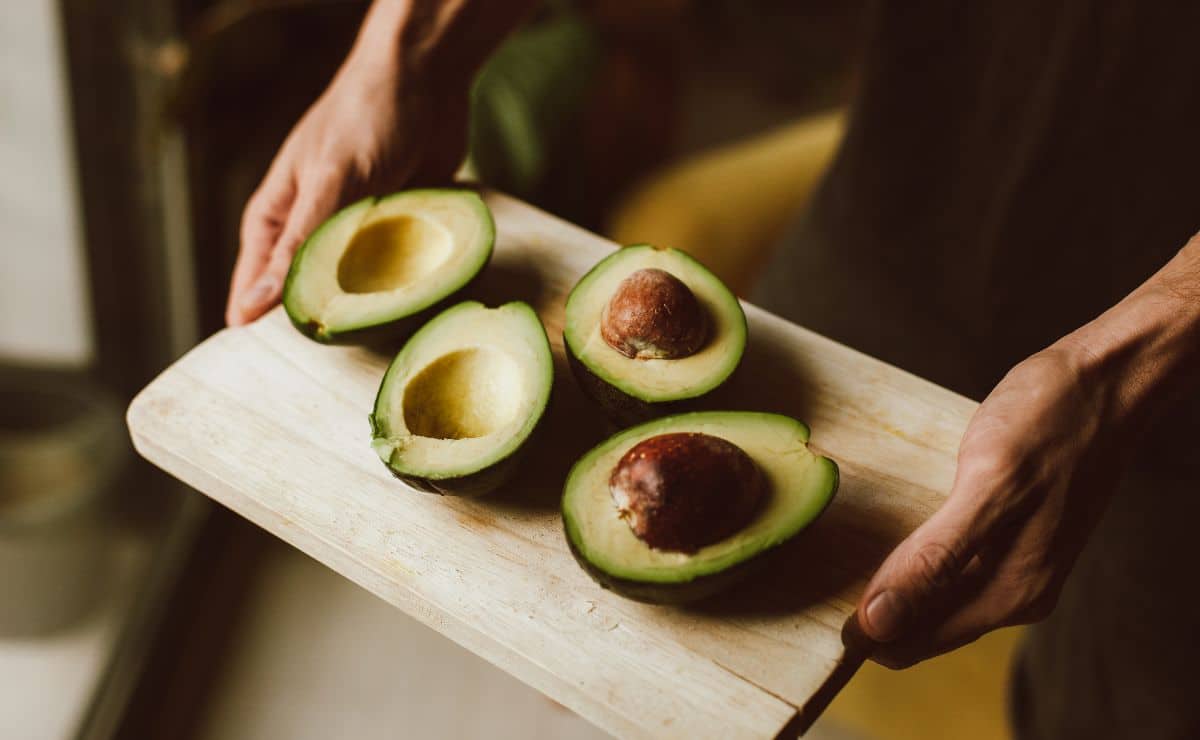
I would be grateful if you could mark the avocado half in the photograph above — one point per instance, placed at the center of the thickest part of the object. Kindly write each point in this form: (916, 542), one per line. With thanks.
(800, 485)
(631, 390)
(462, 398)
(382, 265)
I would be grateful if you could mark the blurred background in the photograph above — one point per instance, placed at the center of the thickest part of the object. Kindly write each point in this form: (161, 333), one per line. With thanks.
(131, 134)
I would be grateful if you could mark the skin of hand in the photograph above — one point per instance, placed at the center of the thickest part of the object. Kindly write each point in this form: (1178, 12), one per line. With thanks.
(395, 115)
(1036, 466)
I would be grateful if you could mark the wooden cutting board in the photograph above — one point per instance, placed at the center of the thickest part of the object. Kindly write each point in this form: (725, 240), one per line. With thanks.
(275, 427)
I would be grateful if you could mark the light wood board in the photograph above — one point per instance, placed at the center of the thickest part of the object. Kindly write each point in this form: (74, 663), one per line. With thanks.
(275, 427)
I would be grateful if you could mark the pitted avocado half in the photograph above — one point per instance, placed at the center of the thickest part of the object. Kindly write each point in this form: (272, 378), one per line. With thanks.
(649, 329)
(678, 508)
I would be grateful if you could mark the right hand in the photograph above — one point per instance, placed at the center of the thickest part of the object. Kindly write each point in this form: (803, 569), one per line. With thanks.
(369, 132)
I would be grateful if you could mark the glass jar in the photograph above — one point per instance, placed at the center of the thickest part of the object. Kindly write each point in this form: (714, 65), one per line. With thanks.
(62, 444)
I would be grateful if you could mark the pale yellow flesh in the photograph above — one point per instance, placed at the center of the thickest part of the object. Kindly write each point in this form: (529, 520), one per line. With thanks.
(465, 391)
(779, 449)
(381, 256)
(465, 394)
(679, 376)
(393, 254)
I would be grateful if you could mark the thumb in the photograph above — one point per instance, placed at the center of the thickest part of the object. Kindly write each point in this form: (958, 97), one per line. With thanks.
(923, 571)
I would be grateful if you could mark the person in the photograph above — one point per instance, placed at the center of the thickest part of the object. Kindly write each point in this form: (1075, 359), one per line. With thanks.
(1012, 208)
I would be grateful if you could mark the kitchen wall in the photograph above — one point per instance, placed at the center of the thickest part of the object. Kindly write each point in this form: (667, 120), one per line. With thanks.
(44, 306)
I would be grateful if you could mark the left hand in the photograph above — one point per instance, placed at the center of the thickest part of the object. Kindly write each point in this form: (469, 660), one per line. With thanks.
(1036, 466)
(370, 132)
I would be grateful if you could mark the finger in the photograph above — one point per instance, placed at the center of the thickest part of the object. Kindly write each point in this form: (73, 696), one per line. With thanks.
(316, 200)
(998, 604)
(945, 625)
(923, 572)
(262, 222)
(1017, 583)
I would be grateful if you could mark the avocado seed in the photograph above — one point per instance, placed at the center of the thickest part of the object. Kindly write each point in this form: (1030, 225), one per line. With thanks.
(684, 490)
(654, 315)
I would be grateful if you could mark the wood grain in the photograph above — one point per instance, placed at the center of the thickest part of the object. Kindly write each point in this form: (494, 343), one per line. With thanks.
(274, 427)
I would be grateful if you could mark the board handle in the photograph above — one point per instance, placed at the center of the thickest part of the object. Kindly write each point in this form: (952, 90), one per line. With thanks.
(858, 648)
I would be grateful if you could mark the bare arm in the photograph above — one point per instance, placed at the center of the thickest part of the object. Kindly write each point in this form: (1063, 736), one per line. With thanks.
(395, 114)
(437, 41)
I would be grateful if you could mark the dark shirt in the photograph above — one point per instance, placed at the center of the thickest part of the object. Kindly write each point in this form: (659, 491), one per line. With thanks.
(1011, 170)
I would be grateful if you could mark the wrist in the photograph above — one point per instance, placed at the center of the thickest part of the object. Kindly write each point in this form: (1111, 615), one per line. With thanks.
(1142, 351)
(435, 45)
(376, 53)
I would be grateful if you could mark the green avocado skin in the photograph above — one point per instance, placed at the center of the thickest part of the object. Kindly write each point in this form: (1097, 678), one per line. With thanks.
(621, 409)
(481, 482)
(382, 335)
(389, 333)
(674, 594)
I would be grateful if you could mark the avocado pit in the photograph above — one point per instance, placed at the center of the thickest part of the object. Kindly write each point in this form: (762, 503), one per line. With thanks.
(684, 490)
(654, 315)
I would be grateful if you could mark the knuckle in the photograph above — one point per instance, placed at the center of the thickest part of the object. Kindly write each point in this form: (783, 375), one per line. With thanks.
(934, 564)
(324, 174)
(258, 221)
(261, 204)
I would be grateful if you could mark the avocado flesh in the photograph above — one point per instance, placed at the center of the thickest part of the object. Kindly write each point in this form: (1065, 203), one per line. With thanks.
(643, 382)
(462, 397)
(801, 485)
(383, 261)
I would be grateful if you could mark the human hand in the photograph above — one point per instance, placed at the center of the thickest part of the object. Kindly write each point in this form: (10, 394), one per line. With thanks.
(1036, 466)
(371, 131)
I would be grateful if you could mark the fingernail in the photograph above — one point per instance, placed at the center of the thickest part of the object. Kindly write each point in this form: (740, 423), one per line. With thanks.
(886, 615)
(262, 292)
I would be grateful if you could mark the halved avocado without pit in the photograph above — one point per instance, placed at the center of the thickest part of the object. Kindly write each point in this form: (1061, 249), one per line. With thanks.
(381, 266)
(462, 398)
(679, 508)
(649, 330)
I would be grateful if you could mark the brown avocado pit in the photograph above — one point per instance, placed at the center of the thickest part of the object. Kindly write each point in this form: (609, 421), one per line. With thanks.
(654, 315)
(685, 490)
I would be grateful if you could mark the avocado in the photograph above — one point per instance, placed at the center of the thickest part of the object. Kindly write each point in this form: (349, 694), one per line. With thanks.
(381, 266)
(462, 397)
(649, 330)
(679, 508)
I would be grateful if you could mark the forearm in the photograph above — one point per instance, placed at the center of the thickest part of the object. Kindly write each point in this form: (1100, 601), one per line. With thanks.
(1146, 349)
(435, 42)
